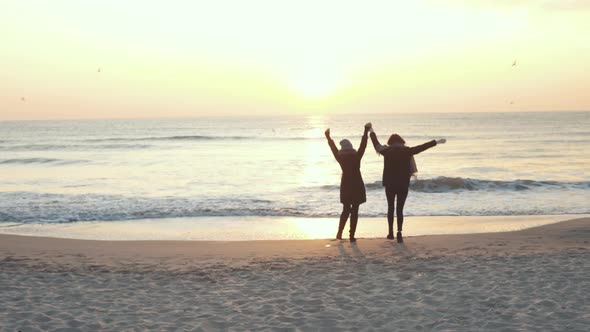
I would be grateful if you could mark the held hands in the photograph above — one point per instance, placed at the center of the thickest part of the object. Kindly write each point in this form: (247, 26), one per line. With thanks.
(369, 127)
(441, 141)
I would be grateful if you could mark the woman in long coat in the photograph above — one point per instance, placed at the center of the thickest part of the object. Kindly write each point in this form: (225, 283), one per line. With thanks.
(352, 187)
(398, 167)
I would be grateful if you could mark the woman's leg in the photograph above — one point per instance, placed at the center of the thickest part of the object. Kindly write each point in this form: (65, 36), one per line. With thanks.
(354, 217)
(343, 217)
(390, 193)
(401, 200)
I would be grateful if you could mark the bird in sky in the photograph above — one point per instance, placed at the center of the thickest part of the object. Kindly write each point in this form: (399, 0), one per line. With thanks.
(514, 63)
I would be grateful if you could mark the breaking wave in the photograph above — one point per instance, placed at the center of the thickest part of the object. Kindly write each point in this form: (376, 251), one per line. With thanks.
(45, 161)
(444, 184)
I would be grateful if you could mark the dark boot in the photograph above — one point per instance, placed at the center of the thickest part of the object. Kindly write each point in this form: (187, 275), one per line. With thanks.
(352, 230)
(343, 217)
(340, 230)
(400, 239)
(390, 225)
(354, 218)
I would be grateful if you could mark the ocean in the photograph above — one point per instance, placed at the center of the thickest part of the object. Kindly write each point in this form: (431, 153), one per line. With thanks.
(493, 164)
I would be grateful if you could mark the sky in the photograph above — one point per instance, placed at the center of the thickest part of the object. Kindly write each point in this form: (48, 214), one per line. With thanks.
(129, 59)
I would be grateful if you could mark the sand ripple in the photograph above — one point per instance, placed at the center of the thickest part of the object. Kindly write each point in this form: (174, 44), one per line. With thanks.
(351, 292)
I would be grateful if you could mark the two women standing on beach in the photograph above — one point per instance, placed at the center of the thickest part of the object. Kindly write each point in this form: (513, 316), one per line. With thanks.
(398, 168)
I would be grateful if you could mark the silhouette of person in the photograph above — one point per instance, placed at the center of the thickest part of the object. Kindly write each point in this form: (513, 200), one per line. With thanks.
(398, 167)
(352, 187)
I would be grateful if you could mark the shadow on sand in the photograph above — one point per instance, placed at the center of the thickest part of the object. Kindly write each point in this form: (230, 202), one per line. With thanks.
(355, 252)
(400, 249)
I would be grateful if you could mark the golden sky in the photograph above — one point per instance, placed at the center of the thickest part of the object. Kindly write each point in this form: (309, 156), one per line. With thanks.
(112, 59)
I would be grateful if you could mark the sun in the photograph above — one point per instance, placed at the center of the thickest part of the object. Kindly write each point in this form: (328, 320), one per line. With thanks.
(314, 85)
(315, 78)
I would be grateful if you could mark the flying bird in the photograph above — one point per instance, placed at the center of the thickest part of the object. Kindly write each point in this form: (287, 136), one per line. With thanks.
(514, 63)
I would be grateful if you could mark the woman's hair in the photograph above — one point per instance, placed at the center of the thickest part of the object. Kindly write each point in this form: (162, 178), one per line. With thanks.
(346, 145)
(395, 138)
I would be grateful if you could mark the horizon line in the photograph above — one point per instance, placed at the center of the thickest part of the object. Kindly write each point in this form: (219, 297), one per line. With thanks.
(259, 115)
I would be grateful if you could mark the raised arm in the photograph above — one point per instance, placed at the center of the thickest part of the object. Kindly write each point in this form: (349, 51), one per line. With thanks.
(426, 146)
(363, 146)
(378, 147)
(331, 143)
(419, 148)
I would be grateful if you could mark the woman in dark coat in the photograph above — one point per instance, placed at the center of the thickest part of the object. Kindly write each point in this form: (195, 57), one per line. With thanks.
(352, 187)
(398, 167)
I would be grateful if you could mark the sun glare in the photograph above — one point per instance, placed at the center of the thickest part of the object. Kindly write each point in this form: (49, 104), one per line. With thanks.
(314, 85)
(313, 228)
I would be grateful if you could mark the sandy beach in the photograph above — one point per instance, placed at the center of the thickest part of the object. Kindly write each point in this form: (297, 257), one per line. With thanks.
(190, 166)
(534, 279)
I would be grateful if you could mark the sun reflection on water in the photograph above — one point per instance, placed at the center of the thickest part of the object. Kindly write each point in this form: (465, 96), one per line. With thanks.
(314, 228)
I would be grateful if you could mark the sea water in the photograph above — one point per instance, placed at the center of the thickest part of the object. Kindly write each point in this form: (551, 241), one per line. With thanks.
(493, 164)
